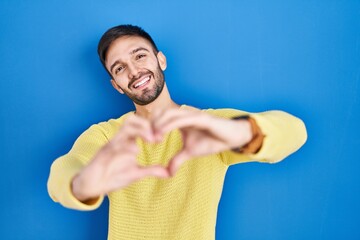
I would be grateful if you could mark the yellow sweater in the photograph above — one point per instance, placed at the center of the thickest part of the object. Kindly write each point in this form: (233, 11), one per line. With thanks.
(182, 207)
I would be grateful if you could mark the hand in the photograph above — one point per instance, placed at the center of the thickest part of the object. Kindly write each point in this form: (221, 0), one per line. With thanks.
(115, 166)
(202, 133)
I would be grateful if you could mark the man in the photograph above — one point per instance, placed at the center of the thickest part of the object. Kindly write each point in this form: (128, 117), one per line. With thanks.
(163, 165)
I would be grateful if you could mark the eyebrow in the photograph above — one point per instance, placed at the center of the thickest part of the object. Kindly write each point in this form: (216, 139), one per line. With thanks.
(131, 53)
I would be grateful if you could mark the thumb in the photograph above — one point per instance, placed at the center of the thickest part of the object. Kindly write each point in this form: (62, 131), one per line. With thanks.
(177, 161)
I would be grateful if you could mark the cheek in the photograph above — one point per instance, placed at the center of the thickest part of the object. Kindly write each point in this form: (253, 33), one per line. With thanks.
(120, 81)
(150, 63)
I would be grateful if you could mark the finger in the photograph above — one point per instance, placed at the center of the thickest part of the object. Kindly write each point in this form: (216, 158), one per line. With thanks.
(132, 148)
(142, 125)
(135, 127)
(177, 162)
(125, 145)
(168, 115)
(131, 132)
(158, 116)
(199, 121)
(161, 123)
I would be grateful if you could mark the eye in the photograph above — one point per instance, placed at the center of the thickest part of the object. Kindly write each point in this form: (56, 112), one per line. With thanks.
(140, 56)
(118, 69)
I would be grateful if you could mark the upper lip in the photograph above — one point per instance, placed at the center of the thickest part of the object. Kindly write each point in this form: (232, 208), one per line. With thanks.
(140, 79)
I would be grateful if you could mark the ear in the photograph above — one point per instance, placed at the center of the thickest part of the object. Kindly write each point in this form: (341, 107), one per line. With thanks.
(162, 60)
(116, 86)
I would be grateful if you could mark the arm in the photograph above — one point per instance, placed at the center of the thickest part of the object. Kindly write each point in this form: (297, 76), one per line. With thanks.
(96, 166)
(214, 132)
(283, 134)
(254, 145)
(66, 167)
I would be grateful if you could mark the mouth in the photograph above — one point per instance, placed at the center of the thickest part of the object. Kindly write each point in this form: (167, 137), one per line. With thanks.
(141, 83)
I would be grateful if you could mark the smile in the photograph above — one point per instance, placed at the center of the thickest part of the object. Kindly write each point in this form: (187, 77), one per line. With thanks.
(142, 82)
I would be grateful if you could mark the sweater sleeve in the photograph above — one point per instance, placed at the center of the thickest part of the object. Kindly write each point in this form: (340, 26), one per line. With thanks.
(66, 167)
(284, 135)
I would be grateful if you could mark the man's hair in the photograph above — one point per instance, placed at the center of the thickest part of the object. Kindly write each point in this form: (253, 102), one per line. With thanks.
(117, 32)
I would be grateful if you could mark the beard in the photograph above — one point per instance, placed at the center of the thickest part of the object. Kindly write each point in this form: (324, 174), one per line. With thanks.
(148, 95)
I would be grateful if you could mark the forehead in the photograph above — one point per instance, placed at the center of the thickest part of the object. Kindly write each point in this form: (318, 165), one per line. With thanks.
(123, 46)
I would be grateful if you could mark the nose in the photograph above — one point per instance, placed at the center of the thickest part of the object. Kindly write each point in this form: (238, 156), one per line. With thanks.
(133, 71)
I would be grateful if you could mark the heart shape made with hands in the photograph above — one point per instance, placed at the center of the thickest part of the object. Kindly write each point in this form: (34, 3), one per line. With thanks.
(115, 167)
(202, 134)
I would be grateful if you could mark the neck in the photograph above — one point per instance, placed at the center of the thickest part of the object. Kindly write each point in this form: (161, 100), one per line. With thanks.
(163, 101)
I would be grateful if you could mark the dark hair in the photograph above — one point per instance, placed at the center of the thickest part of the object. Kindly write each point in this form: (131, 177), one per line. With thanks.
(117, 32)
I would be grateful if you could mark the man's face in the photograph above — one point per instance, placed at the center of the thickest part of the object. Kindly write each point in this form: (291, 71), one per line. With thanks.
(136, 69)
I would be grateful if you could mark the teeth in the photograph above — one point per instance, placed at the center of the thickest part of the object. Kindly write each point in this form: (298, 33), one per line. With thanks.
(141, 82)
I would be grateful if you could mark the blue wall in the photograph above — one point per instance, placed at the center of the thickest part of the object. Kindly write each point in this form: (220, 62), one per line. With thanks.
(301, 57)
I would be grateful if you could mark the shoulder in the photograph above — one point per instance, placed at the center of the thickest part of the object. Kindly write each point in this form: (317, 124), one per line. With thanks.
(110, 127)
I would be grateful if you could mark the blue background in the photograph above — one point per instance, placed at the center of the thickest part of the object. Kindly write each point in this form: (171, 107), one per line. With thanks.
(298, 56)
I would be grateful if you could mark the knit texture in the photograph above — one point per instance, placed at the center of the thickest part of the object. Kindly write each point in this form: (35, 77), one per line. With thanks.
(184, 206)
